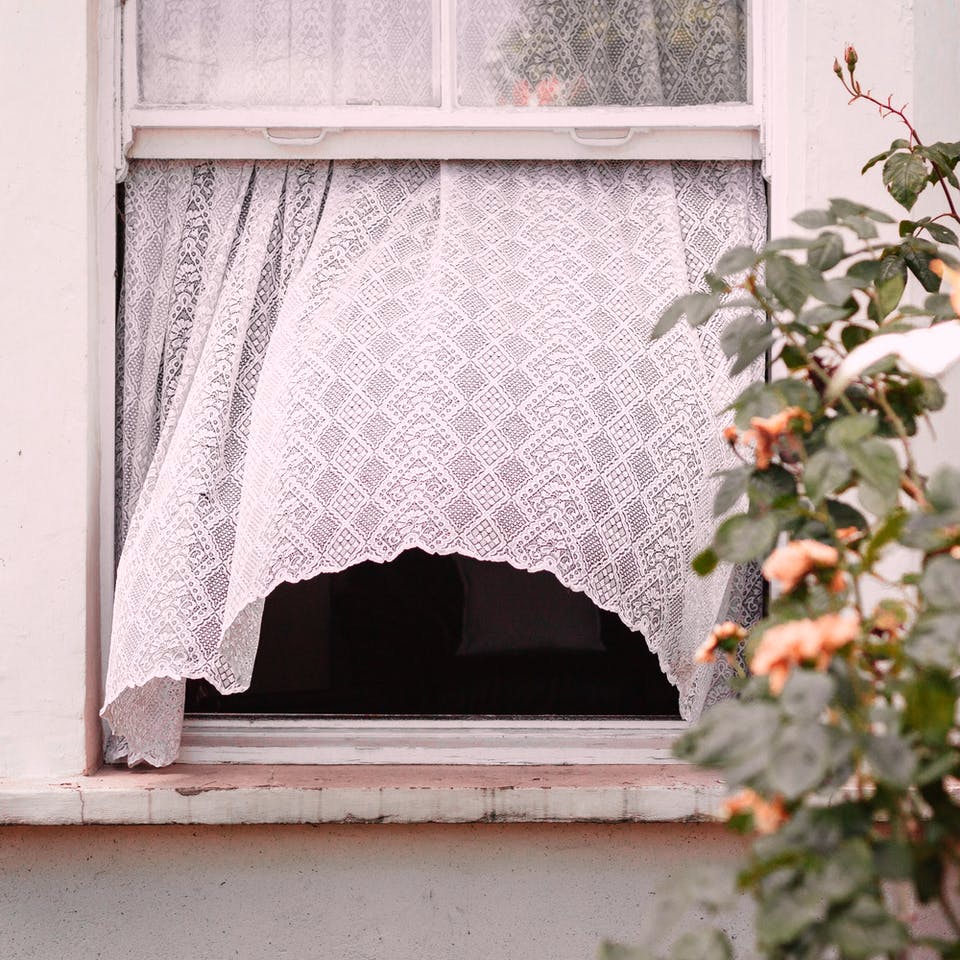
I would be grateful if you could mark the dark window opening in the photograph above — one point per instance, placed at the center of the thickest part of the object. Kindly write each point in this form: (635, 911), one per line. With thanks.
(444, 636)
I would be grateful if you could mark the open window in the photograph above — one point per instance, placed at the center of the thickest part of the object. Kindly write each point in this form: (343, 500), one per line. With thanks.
(393, 441)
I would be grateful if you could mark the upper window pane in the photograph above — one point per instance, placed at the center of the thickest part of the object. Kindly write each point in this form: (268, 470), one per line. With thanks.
(572, 53)
(286, 52)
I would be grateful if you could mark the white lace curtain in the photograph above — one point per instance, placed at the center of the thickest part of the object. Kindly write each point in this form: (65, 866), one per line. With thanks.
(325, 364)
(509, 52)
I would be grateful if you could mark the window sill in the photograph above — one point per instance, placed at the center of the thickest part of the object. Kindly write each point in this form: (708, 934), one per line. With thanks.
(235, 794)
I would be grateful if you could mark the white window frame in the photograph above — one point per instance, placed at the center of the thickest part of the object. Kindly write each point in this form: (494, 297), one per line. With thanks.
(714, 131)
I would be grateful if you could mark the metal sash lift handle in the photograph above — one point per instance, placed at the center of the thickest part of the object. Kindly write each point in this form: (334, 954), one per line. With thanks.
(297, 141)
(587, 137)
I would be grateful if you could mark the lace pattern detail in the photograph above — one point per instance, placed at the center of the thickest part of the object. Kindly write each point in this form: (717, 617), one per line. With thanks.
(569, 53)
(331, 364)
(286, 52)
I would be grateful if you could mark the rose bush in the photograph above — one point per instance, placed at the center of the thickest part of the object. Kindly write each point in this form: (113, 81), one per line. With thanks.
(841, 748)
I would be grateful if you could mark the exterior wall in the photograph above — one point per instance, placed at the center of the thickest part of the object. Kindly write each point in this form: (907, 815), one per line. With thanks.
(289, 891)
(338, 892)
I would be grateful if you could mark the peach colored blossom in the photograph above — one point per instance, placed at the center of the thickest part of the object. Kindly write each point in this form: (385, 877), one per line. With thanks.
(787, 645)
(849, 534)
(731, 434)
(768, 815)
(707, 651)
(838, 582)
(766, 433)
(888, 621)
(789, 564)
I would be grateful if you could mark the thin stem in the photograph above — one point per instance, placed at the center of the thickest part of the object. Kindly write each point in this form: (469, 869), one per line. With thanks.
(887, 109)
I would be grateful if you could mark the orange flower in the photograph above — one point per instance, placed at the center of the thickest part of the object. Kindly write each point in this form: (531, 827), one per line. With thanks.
(768, 815)
(849, 534)
(789, 564)
(731, 434)
(719, 637)
(790, 644)
(838, 582)
(953, 279)
(766, 433)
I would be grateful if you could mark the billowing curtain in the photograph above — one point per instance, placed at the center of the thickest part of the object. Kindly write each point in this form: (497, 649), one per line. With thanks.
(326, 364)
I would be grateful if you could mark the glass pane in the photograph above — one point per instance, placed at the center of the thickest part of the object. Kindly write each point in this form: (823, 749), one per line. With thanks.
(568, 53)
(286, 52)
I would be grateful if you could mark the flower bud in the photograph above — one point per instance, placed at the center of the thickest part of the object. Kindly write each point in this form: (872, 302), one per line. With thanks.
(850, 55)
(837, 69)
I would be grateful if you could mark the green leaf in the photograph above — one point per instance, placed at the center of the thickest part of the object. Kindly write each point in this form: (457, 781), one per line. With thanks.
(705, 562)
(814, 219)
(743, 333)
(940, 583)
(843, 515)
(853, 335)
(866, 930)
(743, 538)
(879, 470)
(873, 161)
(889, 290)
(893, 859)
(941, 234)
(943, 489)
(847, 431)
(737, 259)
(861, 226)
(905, 175)
(891, 759)
(703, 944)
(773, 487)
(918, 260)
(837, 292)
(939, 307)
(827, 471)
(732, 487)
(793, 357)
(847, 872)
(783, 915)
(941, 161)
(807, 694)
(826, 251)
(798, 759)
(931, 702)
(825, 314)
(698, 307)
(889, 530)
(790, 284)
(935, 642)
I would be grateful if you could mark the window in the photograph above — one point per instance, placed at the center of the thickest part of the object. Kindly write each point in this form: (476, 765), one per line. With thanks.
(395, 297)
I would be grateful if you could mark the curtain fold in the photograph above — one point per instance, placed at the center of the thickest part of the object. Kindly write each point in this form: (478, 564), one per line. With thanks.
(327, 364)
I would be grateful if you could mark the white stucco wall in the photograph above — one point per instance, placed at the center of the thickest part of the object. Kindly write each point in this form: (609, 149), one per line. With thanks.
(338, 892)
(345, 892)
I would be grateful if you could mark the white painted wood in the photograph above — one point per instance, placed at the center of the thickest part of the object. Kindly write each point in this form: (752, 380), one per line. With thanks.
(272, 740)
(658, 144)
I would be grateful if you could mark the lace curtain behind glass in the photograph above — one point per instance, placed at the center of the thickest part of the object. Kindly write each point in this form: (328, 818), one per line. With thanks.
(324, 365)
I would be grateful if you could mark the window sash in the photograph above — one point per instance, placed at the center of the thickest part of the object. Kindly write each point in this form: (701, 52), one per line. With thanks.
(241, 738)
(447, 131)
(713, 131)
